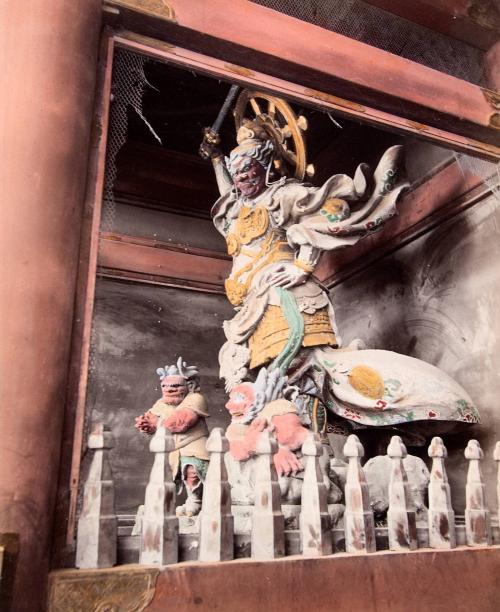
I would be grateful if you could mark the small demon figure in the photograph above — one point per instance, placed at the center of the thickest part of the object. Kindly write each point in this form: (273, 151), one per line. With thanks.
(183, 410)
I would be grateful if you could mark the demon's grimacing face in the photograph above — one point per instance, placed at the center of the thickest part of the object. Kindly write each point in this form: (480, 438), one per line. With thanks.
(174, 389)
(240, 401)
(249, 176)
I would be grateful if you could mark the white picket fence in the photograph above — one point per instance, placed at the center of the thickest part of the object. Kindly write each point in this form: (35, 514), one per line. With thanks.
(159, 541)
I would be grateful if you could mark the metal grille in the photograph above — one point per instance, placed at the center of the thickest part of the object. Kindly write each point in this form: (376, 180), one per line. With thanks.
(128, 85)
(127, 89)
(488, 171)
(373, 26)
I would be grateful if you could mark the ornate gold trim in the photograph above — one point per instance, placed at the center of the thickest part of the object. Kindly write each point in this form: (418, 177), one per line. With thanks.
(271, 251)
(493, 99)
(120, 589)
(236, 291)
(158, 8)
(251, 224)
(281, 120)
(233, 245)
(271, 334)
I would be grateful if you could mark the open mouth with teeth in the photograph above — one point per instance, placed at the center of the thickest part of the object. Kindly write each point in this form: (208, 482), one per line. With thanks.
(236, 413)
(249, 186)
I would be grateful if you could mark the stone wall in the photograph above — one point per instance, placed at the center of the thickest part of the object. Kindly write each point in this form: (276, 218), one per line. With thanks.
(438, 299)
(138, 328)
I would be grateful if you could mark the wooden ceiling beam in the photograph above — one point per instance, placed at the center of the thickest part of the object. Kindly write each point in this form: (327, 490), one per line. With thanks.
(179, 181)
(253, 36)
(153, 261)
(443, 195)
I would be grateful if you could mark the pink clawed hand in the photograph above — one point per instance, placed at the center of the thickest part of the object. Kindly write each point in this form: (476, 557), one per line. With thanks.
(259, 424)
(256, 427)
(286, 463)
(239, 450)
(146, 423)
(290, 432)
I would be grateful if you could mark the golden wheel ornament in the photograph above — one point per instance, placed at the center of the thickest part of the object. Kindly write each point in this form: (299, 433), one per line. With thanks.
(285, 126)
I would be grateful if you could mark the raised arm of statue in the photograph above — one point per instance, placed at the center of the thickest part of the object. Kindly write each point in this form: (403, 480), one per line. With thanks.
(211, 138)
(222, 176)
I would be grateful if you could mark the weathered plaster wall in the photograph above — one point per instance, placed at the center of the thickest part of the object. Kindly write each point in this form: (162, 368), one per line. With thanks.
(138, 328)
(168, 227)
(438, 299)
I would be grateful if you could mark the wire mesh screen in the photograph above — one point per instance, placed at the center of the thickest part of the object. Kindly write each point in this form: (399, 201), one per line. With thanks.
(489, 172)
(128, 85)
(371, 25)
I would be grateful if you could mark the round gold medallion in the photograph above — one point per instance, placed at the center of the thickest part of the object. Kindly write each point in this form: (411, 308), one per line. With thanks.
(235, 291)
(335, 209)
(367, 381)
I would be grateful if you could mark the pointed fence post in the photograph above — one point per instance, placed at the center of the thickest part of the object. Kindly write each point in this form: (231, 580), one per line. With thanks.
(160, 526)
(97, 528)
(268, 525)
(358, 516)
(441, 517)
(477, 516)
(496, 457)
(216, 520)
(314, 520)
(401, 517)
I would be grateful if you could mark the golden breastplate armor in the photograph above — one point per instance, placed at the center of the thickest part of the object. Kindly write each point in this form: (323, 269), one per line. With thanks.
(251, 224)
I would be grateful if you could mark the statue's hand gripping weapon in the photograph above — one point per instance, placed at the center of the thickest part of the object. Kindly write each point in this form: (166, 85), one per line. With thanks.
(211, 136)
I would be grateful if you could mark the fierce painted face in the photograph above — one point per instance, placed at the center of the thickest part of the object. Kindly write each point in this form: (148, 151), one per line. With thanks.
(249, 176)
(174, 389)
(240, 401)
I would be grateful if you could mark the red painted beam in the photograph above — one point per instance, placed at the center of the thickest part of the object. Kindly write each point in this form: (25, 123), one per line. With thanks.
(254, 79)
(145, 260)
(162, 263)
(449, 190)
(253, 36)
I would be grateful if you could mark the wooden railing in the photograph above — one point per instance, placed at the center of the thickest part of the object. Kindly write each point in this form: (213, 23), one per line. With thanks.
(160, 543)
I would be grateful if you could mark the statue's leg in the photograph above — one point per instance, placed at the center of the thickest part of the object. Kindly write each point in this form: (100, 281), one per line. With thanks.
(194, 491)
(194, 499)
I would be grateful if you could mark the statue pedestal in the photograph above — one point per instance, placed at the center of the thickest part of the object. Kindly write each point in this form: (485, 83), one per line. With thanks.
(467, 580)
